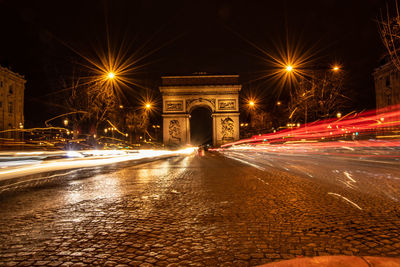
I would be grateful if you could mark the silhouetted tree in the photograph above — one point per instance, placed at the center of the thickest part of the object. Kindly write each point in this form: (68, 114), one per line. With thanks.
(318, 96)
(389, 29)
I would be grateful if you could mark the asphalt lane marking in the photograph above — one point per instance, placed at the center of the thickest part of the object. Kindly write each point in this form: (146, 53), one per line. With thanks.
(345, 198)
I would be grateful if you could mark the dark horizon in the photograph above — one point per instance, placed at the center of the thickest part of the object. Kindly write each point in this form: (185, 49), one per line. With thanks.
(44, 39)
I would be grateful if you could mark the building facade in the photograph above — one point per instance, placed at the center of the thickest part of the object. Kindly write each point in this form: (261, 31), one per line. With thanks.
(183, 94)
(387, 84)
(12, 89)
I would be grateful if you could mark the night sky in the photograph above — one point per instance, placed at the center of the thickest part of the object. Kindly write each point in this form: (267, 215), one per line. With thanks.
(42, 40)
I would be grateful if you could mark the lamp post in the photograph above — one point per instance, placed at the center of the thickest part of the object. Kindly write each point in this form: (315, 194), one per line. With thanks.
(21, 126)
(251, 105)
(156, 128)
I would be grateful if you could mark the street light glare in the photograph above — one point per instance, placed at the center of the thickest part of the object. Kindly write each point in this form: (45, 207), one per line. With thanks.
(111, 75)
(289, 68)
(251, 103)
(148, 105)
(336, 68)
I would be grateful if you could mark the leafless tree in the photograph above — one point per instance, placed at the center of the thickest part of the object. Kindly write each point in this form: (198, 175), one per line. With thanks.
(74, 101)
(137, 122)
(93, 102)
(389, 28)
(261, 121)
(318, 96)
(102, 102)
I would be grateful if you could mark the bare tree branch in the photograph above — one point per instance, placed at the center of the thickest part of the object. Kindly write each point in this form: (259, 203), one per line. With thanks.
(389, 29)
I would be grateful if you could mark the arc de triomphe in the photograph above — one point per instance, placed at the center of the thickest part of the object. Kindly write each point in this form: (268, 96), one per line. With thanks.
(183, 94)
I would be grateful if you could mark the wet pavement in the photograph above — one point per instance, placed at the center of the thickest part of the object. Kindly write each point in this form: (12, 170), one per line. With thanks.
(205, 211)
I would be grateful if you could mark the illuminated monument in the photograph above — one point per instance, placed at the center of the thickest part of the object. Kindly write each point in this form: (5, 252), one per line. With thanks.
(183, 94)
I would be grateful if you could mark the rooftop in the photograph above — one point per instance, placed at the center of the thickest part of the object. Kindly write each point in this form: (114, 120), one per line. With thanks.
(202, 79)
(7, 70)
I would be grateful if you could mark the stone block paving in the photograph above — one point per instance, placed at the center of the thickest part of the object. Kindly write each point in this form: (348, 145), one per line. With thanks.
(195, 211)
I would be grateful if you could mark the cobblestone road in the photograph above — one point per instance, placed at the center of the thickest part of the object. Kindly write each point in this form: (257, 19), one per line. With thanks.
(192, 211)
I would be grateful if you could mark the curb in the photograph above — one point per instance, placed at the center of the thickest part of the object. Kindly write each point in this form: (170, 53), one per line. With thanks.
(333, 261)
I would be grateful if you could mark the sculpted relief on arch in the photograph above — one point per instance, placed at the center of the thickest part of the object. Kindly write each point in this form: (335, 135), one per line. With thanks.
(228, 129)
(174, 130)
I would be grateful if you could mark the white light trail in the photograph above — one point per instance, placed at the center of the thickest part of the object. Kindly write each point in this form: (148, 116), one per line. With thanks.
(90, 158)
(264, 182)
(345, 198)
(248, 163)
(348, 175)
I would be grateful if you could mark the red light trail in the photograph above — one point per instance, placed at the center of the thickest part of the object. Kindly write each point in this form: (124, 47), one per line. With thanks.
(370, 124)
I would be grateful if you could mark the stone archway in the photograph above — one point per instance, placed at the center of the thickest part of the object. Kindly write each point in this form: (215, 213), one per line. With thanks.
(182, 94)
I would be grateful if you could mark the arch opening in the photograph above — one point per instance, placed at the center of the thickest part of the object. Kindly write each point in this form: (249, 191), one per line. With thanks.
(201, 130)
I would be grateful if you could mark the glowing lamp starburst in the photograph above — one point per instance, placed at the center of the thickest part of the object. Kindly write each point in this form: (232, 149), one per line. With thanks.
(289, 68)
(111, 75)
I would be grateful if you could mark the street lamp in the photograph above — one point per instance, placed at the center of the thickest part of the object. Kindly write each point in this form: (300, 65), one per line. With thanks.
(335, 68)
(65, 122)
(111, 75)
(278, 103)
(156, 127)
(289, 68)
(251, 103)
(148, 106)
(338, 115)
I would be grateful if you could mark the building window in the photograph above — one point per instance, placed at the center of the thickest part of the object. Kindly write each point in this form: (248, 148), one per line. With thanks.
(388, 81)
(10, 107)
(10, 90)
